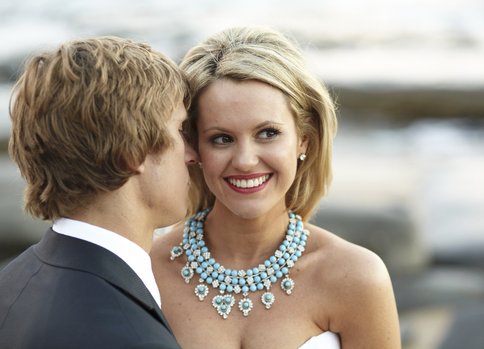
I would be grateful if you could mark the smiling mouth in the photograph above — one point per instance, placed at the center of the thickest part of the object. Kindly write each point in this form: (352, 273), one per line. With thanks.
(248, 183)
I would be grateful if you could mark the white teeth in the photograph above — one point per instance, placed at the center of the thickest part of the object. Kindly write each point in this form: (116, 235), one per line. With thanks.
(251, 183)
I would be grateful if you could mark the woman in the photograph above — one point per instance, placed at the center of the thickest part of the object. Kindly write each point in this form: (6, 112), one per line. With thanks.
(248, 271)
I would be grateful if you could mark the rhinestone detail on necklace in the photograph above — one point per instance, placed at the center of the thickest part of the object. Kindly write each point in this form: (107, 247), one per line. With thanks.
(244, 281)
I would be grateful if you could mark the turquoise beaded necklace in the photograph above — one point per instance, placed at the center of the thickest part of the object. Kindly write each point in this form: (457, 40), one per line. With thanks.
(233, 282)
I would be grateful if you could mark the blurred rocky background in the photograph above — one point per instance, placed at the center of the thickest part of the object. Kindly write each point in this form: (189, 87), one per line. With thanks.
(408, 77)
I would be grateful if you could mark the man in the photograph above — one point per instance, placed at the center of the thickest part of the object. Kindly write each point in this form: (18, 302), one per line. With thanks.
(96, 133)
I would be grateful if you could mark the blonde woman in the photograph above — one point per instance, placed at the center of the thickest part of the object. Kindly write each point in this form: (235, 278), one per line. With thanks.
(248, 270)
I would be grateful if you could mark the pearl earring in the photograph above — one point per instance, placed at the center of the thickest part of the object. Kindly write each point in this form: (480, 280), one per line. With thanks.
(302, 156)
(200, 164)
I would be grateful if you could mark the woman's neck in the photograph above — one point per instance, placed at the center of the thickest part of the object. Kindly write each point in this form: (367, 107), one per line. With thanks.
(240, 243)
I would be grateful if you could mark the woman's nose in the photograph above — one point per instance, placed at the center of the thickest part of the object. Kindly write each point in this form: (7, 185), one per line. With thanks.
(191, 156)
(245, 157)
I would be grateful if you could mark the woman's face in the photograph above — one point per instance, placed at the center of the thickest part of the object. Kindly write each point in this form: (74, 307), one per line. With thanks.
(248, 145)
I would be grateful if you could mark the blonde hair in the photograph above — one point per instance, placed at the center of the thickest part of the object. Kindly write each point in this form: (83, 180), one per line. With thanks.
(86, 115)
(265, 55)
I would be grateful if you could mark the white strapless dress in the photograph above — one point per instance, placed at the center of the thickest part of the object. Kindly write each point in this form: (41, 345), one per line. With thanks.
(326, 340)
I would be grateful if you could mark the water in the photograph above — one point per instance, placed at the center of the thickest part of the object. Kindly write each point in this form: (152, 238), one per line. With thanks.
(5, 90)
(365, 41)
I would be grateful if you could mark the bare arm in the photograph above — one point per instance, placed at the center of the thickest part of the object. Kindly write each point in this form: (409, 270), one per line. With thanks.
(368, 314)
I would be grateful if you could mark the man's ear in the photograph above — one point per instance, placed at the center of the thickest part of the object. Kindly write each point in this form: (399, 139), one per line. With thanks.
(134, 166)
(141, 168)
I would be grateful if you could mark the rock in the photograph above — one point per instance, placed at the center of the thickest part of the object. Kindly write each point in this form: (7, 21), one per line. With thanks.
(425, 327)
(471, 255)
(439, 286)
(466, 330)
(406, 103)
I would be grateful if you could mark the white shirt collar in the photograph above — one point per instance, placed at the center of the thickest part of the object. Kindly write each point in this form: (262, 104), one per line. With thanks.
(128, 251)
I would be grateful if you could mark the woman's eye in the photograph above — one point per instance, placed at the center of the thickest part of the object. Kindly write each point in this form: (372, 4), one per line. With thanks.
(184, 130)
(221, 139)
(269, 133)
(184, 134)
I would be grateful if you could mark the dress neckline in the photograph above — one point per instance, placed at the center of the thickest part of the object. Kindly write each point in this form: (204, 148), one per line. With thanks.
(326, 340)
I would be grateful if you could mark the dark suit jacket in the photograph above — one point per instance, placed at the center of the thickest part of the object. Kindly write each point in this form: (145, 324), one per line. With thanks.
(68, 293)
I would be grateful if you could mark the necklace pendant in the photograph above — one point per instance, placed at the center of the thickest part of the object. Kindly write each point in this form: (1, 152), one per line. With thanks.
(201, 291)
(223, 304)
(268, 299)
(245, 305)
(187, 273)
(176, 251)
(287, 285)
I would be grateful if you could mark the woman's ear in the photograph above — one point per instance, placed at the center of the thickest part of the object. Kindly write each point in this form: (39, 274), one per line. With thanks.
(303, 144)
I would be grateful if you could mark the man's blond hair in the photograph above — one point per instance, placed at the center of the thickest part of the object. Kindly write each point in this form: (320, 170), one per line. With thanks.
(84, 117)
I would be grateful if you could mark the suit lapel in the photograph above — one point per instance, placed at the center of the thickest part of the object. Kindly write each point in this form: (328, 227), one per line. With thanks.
(69, 252)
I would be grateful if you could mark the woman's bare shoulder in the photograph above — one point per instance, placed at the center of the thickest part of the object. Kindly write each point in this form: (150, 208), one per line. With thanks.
(358, 283)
